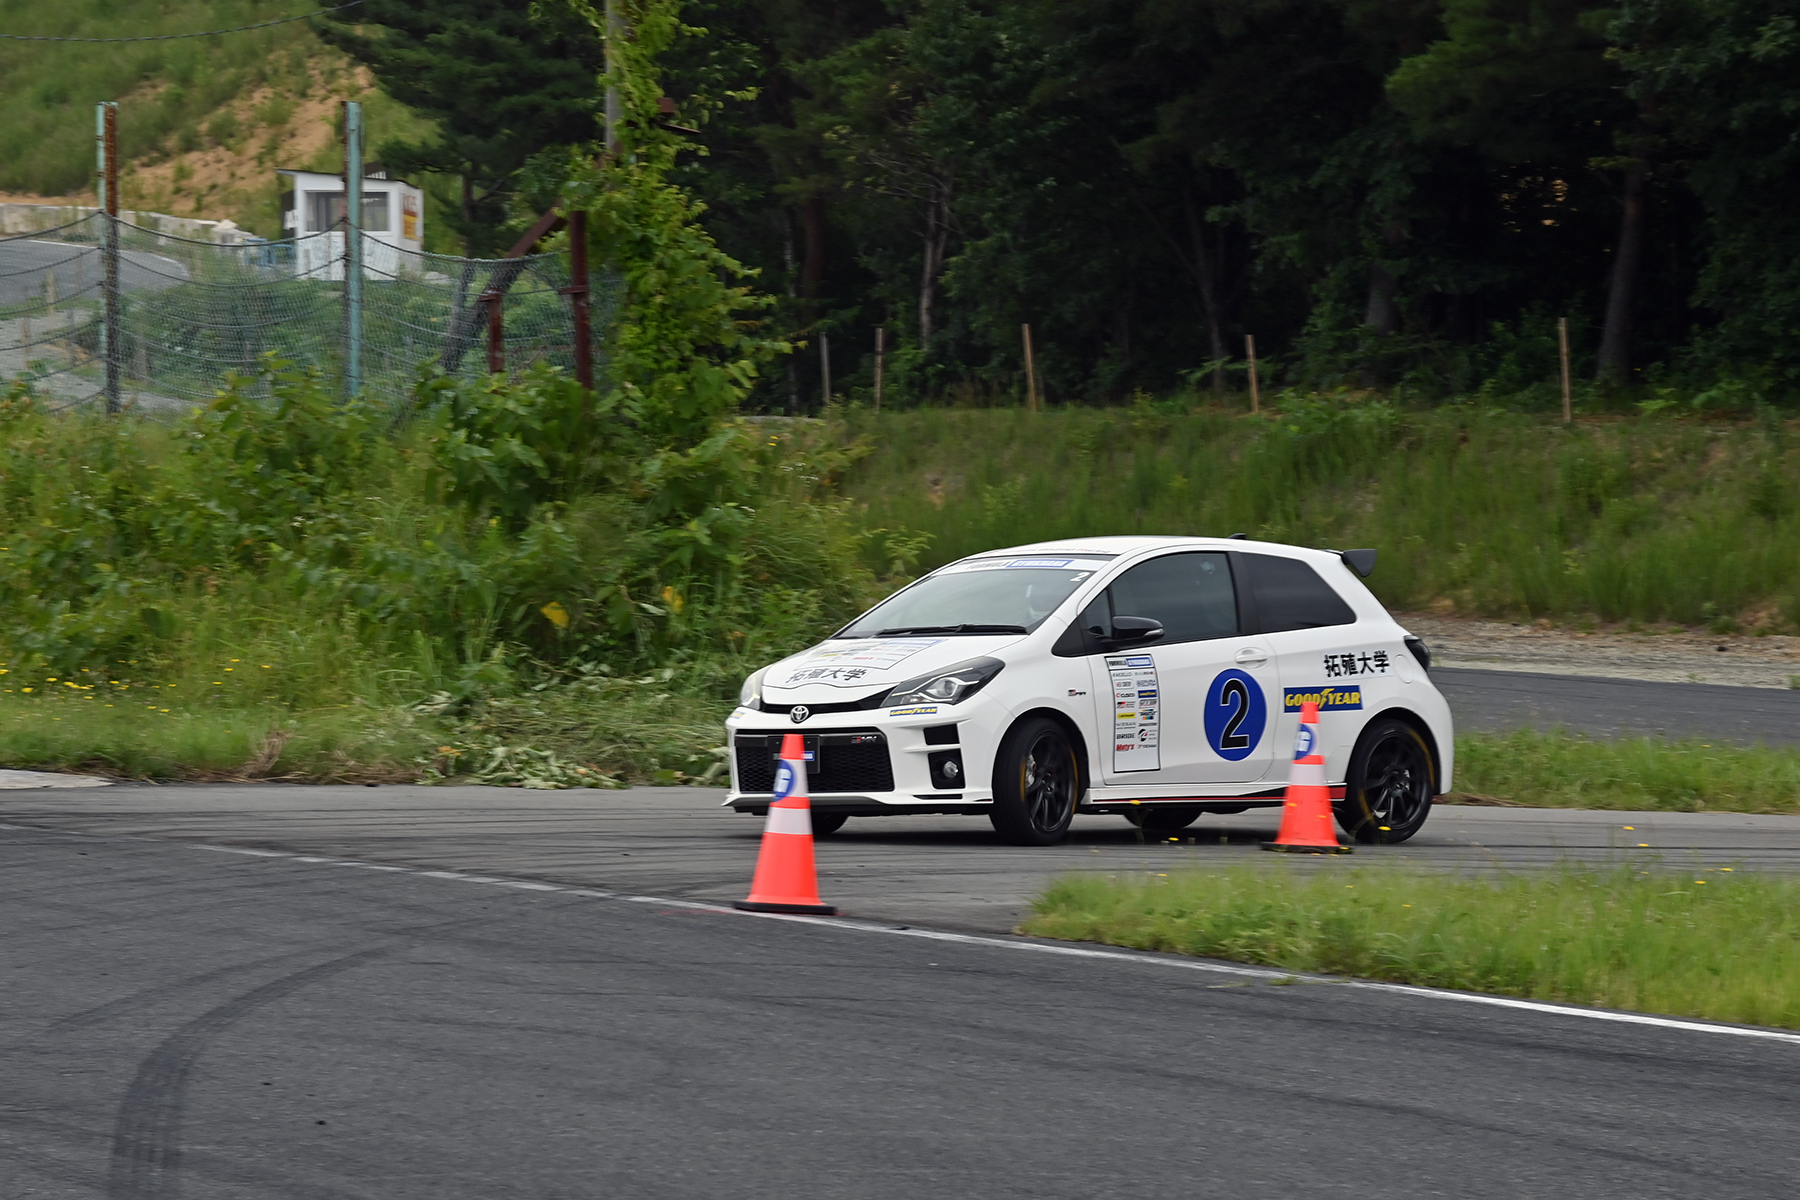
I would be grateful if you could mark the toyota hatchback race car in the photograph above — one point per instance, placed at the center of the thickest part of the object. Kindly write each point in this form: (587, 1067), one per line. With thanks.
(1156, 678)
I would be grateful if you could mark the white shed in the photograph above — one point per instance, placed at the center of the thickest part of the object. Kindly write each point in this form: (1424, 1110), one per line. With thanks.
(393, 218)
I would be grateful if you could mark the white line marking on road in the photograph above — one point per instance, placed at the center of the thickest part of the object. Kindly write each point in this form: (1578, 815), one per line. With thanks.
(1066, 951)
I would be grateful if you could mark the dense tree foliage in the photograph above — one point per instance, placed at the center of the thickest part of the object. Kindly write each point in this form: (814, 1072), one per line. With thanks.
(1398, 193)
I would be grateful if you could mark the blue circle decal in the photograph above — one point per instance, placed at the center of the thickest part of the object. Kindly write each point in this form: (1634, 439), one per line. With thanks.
(1236, 714)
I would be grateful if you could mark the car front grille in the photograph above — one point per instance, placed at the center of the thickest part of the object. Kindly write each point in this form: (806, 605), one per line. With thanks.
(844, 760)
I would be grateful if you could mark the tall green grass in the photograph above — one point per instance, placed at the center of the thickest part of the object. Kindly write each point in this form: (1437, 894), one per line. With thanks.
(1716, 944)
(1553, 770)
(1621, 518)
(512, 574)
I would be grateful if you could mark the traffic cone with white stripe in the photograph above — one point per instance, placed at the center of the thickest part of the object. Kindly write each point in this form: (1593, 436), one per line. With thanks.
(1306, 818)
(786, 880)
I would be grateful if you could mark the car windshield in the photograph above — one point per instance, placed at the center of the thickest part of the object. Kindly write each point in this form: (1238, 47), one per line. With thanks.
(981, 595)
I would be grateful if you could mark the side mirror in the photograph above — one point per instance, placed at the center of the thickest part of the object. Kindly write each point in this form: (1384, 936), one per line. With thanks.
(1136, 629)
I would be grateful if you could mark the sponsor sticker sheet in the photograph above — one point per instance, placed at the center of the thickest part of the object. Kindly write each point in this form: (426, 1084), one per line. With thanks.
(1137, 713)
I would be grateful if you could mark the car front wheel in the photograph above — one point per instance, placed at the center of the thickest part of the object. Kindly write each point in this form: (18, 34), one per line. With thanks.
(827, 822)
(1037, 780)
(1390, 785)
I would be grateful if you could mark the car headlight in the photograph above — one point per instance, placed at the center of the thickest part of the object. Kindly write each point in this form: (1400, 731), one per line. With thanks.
(952, 685)
(750, 695)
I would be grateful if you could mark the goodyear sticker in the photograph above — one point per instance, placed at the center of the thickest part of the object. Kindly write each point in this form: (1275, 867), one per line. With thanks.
(923, 711)
(1329, 697)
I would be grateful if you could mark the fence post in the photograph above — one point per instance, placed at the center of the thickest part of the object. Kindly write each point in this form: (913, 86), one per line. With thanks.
(1562, 349)
(578, 298)
(496, 331)
(1030, 371)
(353, 247)
(825, 371)
(1250, 354)
(106, 143)
(880, 361)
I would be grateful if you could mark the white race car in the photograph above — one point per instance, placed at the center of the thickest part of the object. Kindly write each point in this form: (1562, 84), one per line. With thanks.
(1158, 678)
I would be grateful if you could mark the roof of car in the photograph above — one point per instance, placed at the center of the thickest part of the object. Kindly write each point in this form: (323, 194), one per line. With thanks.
(1128, 545)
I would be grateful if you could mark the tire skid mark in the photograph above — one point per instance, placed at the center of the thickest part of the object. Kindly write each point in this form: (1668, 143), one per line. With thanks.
(146, 1149)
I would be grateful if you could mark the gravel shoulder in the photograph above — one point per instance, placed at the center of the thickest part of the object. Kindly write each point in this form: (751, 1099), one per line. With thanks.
(1668, 655)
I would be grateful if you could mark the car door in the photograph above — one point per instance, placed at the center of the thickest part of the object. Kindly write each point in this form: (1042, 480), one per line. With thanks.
(1191, 707)
(1318, 653)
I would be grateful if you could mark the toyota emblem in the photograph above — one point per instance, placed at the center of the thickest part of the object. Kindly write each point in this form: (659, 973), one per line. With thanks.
(799, 713)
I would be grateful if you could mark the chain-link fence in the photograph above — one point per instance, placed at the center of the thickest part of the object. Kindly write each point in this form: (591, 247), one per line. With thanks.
(184, 312)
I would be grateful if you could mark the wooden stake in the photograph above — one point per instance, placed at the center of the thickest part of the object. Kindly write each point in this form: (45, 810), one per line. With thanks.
(1250, 353)
(1031, 399)
(1562, 340)
(825, 369)
(880, 361)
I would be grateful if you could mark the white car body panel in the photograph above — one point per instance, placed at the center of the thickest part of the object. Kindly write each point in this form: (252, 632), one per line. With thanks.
(845, 672)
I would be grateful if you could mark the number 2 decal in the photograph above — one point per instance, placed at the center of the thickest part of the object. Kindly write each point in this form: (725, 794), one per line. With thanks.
(1236, 715)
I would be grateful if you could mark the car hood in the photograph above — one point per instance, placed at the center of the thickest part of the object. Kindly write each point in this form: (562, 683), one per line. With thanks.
(855, 668)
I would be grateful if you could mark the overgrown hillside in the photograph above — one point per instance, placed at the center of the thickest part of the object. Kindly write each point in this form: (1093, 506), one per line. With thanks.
(1641, 518)
(203, 122)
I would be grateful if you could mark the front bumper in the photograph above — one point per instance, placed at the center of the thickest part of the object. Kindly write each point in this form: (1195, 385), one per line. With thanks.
(916, 759)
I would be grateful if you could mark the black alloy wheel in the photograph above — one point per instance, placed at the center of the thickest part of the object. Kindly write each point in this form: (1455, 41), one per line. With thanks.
(1159, 821)
(1037, 780)
(1390, 786)
(827, 822)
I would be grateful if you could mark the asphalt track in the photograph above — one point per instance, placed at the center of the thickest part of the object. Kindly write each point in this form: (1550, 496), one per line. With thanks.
(1490, 701)
(27, 265)
(183, 1022)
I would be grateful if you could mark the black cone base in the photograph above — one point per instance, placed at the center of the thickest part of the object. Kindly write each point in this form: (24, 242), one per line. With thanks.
(823, 910)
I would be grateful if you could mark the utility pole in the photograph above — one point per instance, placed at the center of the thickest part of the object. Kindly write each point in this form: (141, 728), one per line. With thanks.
(353, 247)
(106, 148)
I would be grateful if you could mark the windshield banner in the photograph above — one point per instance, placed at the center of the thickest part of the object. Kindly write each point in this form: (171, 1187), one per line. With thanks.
(849, 665)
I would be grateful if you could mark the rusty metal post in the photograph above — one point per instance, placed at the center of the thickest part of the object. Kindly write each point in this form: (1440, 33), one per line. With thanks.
(112, 349)
(496, 322)
(578, 299)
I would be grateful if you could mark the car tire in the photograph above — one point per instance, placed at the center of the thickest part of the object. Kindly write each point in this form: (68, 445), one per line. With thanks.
(1157, 821)
(827, 822)
(1389, 789)
(1037, 781)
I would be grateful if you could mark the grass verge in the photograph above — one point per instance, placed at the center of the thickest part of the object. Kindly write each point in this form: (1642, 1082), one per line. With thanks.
(1557, 770)
(595, 730)
(1714, 944)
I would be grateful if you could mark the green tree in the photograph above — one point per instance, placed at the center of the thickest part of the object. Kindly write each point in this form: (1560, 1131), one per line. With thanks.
(503, 80)
(1724, 75)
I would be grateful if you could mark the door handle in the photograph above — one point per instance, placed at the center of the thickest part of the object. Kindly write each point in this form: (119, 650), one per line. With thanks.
(1251, 656)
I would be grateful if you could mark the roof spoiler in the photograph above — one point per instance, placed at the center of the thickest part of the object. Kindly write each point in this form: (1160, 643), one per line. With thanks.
(1360, 561)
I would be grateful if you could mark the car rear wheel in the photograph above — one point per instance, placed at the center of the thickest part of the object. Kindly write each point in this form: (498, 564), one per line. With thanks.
(1037, 780)
(1157, 821)
(827, 822)
(1390, 785)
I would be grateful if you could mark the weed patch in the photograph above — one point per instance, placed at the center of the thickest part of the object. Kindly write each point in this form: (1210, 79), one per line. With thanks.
(1555, 770)
(1716, 944)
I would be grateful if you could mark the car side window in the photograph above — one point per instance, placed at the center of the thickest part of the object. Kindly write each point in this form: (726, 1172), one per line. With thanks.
(1290, 595)
(1191, 594)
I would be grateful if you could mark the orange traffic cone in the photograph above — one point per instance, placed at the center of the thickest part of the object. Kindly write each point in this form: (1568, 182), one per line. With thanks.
(786, 880)
(1306, 809)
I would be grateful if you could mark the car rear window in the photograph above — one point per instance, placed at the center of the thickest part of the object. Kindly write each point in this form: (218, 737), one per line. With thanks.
(1290, 595)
